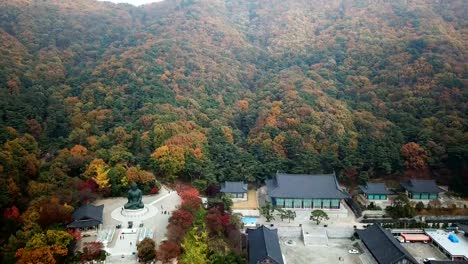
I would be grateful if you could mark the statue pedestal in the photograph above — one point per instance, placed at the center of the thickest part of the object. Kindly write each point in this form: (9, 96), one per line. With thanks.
(137, 216)
(135, 212)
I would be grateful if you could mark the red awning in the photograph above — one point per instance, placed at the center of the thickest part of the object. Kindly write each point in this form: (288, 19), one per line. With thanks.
(415, 237)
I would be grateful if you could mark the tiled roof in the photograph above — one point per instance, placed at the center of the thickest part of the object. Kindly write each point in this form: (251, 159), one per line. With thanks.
(383, 246)
(264, 244)
(305, 186)
(87, 216)
(375, 188)
(421, 186)
(233, 187)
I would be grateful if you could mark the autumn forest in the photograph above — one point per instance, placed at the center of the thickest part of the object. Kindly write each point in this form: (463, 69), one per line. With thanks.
(94, 95)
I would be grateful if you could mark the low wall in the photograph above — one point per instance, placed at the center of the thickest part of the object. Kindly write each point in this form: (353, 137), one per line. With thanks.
(290, 231)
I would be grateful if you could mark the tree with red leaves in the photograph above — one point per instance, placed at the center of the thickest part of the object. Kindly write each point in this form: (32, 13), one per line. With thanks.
(75, 233)
(186, 191)
(226, 220)
(51, 212)
(191, 203)
(213, 222)
(167, 251)
(92, 251)
(190, 198)
(154, 190)
(181, 218)
(175, 233)
(89, 184)
(12, 213)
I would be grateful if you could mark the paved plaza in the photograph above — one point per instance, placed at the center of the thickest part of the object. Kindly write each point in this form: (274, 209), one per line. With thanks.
(336, 249)
(420, 251)
(121, 242)
(250, 204)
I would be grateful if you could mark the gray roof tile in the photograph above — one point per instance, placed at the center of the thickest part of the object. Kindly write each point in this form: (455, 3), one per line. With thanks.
(86, 216)
(233, 187)
(305, 186)
(421, 186)
(383, 246)
(264, 244)
(375, 188)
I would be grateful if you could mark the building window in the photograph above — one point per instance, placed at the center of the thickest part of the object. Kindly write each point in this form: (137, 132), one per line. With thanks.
(280, 202)
(416, 196)
(383, 197)
(307, 203)
(297, 203)
(288, 203)
(425, 196)
(325, 203)
(370, 197)
(317, 203)
(335, 203)
(432, 196)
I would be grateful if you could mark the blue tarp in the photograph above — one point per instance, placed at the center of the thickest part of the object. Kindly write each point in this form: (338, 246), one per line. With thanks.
(453, 238)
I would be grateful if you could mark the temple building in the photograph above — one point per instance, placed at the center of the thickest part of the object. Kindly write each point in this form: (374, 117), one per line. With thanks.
(375, 191)
(422, 189)
(236, 190)
(87, 216)
(305, 191)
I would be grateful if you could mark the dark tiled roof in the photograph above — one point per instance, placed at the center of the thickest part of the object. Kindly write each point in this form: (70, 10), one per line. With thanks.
(87, 216)
(421, 186)
(305, 186)
(263, 244)
(84, 223)
(383, 246)
(234, 187)
(374, 188)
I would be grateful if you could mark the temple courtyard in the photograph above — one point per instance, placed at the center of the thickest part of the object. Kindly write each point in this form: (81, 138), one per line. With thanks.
(119, 238)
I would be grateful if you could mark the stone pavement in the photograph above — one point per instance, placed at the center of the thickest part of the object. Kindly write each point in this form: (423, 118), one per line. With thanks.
(154, 216)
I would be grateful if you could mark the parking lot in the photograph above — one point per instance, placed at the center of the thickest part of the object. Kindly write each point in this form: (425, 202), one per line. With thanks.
(336, 249)
(421, 251)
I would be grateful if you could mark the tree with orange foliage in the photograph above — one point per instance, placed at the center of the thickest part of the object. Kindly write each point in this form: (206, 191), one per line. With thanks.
(137, 175)
(415, 156)
(78, 151)
(43, 255)
(170, 160)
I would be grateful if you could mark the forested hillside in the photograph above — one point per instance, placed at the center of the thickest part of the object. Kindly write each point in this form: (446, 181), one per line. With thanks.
(94, 95)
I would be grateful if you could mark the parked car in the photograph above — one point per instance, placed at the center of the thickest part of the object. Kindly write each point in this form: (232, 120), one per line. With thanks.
(353, 251)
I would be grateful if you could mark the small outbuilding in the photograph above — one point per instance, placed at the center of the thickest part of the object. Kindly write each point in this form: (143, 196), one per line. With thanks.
(416, 238)
(375, 191)
(263, 246)
(87, 216)
(236, 190)
(422, 189)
